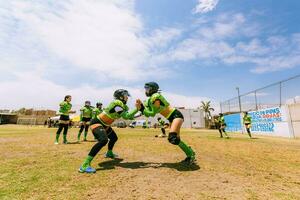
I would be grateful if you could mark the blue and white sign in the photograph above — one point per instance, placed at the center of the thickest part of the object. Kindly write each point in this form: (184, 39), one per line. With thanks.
(271, 121)
(233, 122)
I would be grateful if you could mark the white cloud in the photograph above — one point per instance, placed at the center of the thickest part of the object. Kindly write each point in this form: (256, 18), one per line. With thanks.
(205, 6)
(35, 92)
(162, 37)
(231, 39)
(105, 37)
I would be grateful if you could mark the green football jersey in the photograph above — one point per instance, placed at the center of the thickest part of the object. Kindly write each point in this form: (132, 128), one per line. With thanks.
(86, 111)
(150, 110)
(64, 108)
(117, 109)
(96, 112)
(247, 119)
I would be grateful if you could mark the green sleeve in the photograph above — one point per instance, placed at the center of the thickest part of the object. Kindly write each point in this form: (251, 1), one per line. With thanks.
(129, 114)
(150, 110)
(63, 105)
(81, 113)
(64, 108)
(149, 113)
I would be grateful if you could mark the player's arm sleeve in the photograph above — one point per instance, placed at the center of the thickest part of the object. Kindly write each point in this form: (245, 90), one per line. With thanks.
(148, 112)
(62, 105)
(129, 114)
(81, 114)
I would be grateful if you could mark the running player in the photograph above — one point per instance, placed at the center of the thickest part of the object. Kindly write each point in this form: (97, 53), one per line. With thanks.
(221, 125)
(247, 120)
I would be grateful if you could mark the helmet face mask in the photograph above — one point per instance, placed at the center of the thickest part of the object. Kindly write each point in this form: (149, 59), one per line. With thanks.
(87, 103)
(99, 105)
(147, 91)
(151, 88)
(121, 95)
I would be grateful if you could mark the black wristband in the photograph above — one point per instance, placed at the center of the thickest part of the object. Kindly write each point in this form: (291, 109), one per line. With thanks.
(142, 108)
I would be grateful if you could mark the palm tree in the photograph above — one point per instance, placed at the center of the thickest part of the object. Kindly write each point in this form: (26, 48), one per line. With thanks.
(206, 107)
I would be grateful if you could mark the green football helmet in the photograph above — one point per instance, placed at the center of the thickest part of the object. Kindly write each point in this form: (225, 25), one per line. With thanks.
(151, 88)
(120, 95)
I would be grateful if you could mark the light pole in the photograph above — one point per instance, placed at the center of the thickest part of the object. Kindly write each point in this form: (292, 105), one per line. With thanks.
(240, 106)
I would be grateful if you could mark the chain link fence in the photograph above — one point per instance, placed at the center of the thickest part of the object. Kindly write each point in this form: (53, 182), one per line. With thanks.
(277, 94)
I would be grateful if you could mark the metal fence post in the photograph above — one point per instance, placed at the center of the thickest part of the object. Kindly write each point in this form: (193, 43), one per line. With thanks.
(239, 97)
(280, 97)
(256, 108)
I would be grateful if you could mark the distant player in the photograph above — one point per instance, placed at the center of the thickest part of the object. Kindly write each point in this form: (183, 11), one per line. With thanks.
(101, 127)
(162, 126)
(156, 103)
(221, 125)
(97, 110)
(247, 120)
(64, 111)
(85, 117)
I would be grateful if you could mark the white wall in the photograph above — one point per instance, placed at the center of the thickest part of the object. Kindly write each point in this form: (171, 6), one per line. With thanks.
(193, 118)
(294, 110)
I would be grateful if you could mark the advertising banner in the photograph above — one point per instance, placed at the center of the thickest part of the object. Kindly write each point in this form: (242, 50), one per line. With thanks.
(233, 122)
(271, 121)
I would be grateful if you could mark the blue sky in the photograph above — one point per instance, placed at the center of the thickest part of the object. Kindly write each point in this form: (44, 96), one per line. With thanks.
(196, 50)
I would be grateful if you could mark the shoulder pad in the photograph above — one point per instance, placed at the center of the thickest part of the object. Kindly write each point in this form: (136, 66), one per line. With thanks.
(155, 96)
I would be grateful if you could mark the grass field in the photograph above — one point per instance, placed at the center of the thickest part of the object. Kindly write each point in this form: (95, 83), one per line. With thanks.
(32, 167)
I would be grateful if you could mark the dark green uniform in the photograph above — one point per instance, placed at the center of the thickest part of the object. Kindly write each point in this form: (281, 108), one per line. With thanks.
(247, 120)
(161, 124)
(222, 126)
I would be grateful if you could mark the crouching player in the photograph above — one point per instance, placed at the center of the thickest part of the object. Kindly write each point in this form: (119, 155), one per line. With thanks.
(101, 129)
(156, 103)
(85, 118)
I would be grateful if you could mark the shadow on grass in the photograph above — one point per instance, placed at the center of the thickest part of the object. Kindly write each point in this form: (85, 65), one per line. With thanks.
(231, 137)
(89, 141)
(111, 164)
(73, 142)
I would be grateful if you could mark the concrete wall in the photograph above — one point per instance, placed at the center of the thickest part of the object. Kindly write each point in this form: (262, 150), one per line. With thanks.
(193, 118)
(294, 110)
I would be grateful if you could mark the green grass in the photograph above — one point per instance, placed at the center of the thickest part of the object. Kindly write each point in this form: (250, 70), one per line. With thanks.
(32, 167)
